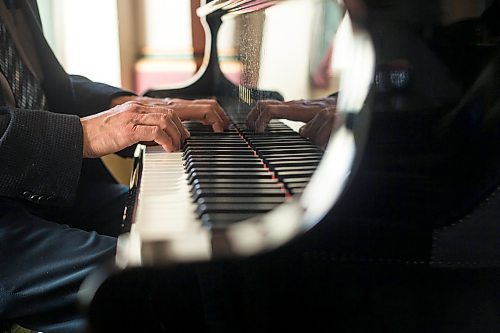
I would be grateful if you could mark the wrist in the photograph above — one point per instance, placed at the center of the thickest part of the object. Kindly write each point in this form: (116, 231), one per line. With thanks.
(86, 153)
(118, 100)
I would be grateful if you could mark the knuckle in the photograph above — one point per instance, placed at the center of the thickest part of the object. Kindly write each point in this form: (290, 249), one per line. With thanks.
(165, 117)
(131, 106)
(132, 103)
(131, 132)
(156, 131)
(167, 114)
(134, 118)
(129, 129)
(205, 113)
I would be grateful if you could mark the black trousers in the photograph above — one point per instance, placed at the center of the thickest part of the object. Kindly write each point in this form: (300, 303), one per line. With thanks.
(46, 254)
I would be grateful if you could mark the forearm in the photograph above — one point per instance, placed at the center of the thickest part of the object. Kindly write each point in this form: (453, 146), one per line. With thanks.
(94, 97)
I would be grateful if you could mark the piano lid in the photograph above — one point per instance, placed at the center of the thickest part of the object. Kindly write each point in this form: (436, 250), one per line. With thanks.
(263, 49)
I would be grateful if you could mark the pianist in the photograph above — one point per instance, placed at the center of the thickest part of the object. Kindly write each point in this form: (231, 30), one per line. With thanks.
(60, 210)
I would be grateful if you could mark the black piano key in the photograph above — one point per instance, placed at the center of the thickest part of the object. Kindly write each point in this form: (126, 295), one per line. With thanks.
(288, 150)
(291, 163)
(215, 145)
(234, 208)
(211, 173)
(270, 128)
(276, 136)
(231, 175)
(297, 191)
(196, 124)
(228, 169)
(297, 185)
(284, 145)
(272, 143)
(228, 175)
(249, 200)
(269, 136)
(223, 220)
(281, 169)
(255, 136)
(241, 151)
(267, 192)
(228, 139)
(227, 164)
(295, 174)
(294, 156)
(236, 181)
(211, 133)
(231, 185)
(289, 182)
(273, 162)
(210, 158)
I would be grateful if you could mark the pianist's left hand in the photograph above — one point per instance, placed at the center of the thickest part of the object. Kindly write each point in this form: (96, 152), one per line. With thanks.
(206, 111)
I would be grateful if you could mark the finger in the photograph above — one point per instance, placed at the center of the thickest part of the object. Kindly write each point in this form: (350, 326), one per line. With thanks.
(303, 130)
(222, 114)
(212, 118)
(182, 129)
(175, 120)
(312, 126)
(219, 111)
(208, 116)
(322, 137)
(260, 106)
(203, 113)
(252, 116)
(265, 116)
(281, 111)
(155, 134)
(173, 130)
(165, 123)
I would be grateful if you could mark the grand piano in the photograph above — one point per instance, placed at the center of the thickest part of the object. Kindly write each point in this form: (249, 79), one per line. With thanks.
(212, 196)
(391, 228)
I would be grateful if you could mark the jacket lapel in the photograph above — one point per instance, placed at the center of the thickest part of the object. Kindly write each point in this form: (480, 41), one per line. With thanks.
(56, 82)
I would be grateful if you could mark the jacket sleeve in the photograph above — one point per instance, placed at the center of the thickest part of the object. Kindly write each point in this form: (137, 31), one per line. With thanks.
(93, 97)
(41, 154)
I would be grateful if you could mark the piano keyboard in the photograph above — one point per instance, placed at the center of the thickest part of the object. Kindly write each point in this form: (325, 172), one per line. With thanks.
(218, 180)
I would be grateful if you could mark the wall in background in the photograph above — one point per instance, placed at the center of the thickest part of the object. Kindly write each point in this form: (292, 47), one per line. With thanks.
(84, 36)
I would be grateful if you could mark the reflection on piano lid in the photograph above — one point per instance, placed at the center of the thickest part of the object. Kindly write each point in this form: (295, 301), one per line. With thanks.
(237, 193)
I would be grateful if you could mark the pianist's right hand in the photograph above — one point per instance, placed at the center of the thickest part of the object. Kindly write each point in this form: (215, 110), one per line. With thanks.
(299, 110)
(130, 123)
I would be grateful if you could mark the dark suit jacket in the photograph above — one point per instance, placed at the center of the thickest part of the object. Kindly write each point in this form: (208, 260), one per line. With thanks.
(41, 151)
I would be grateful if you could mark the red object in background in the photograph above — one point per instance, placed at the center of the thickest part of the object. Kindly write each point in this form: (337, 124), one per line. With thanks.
(151, 73)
